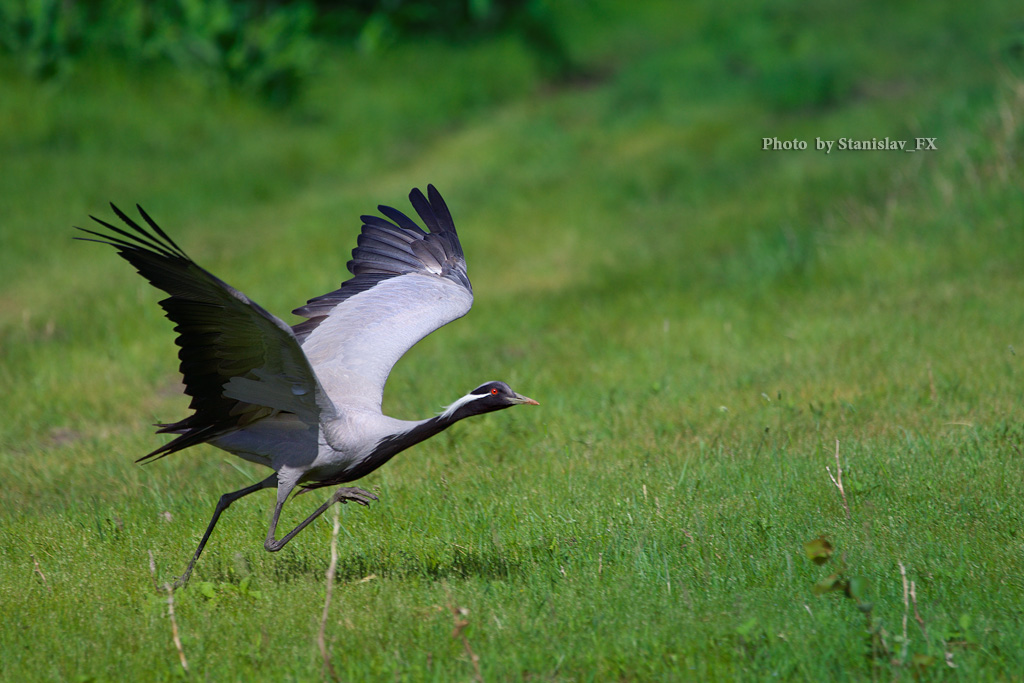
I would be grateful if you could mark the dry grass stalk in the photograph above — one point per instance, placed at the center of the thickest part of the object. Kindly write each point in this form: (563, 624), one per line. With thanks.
(174, 626)
(38, 570)
(906, 609)
(331, 570)
(460, 614)
(152, 570)
(838, 481)
(170, 612)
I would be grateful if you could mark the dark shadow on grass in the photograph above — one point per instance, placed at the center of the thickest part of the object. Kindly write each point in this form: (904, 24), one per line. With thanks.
(459, 563)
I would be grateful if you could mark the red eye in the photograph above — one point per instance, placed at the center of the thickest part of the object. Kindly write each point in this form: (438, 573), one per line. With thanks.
(494, 392)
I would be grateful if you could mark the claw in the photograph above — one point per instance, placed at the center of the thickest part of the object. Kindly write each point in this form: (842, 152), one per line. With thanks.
(354, 494)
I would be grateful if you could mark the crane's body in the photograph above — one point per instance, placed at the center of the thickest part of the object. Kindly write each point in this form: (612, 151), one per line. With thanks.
(305, 401)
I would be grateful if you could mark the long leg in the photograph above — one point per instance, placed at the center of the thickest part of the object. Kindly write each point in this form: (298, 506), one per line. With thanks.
(343, 495)
(222, 505)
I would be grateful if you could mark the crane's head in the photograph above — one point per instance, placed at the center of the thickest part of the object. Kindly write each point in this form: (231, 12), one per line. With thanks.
(486, 398)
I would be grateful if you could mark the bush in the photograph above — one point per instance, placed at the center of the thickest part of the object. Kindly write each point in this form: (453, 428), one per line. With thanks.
(380, 22)
(41, 34)
(267, 51)
(257, 47)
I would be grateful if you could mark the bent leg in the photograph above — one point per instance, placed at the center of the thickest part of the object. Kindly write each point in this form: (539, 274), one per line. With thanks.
(226, 500)
(342, 495)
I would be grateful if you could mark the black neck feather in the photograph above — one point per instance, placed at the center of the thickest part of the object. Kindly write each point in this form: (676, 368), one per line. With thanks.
(391, 446)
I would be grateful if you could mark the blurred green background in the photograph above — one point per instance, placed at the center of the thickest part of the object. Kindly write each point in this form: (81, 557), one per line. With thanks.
(701, 319)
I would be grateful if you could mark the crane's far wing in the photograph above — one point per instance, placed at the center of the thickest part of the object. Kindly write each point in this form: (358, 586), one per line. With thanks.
(239, 363)
(407, 283)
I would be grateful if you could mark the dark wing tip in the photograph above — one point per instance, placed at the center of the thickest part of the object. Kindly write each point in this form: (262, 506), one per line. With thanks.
(424, 209)
(388, 249)
(137, 238)
(444, 216)
(432, 209)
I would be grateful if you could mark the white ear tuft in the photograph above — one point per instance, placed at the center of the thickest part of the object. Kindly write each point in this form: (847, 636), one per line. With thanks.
(461, 402)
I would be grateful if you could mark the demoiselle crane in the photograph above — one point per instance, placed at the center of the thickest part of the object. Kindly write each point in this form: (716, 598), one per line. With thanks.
(305, 400)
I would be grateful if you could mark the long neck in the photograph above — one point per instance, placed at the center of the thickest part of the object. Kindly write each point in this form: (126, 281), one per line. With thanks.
(390, 446)
(423, 430)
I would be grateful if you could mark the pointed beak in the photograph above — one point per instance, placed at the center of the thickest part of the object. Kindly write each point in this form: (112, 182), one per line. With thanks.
(525, 399)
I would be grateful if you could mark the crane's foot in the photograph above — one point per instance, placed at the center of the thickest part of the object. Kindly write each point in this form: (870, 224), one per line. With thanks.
(342, 495)
(182, 581)
(356, 495)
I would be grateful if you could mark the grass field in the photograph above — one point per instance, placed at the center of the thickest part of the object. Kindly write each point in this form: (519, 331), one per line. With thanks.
(702, 320)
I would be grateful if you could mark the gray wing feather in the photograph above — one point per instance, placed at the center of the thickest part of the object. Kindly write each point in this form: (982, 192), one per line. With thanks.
(407, 283)
(353, 350)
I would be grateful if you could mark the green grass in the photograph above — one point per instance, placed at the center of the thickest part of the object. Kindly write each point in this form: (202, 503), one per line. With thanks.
(701, 321)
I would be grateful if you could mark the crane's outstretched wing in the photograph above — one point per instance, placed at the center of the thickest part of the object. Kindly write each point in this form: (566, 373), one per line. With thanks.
(240, 363)
(407, 283)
